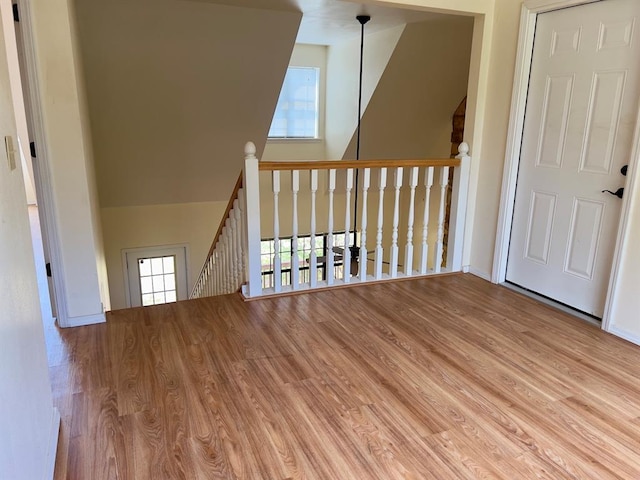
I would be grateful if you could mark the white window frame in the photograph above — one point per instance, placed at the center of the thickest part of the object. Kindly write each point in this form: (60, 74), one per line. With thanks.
(304, 55)
(319, 107)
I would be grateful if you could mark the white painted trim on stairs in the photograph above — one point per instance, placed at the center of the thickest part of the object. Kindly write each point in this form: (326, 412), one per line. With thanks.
(480, 273)
(52, 449)
(85, 320)
(625, 335)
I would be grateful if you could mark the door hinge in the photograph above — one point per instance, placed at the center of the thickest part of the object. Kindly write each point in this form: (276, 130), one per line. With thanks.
(32, 149)
(16, 13)
(48, 267)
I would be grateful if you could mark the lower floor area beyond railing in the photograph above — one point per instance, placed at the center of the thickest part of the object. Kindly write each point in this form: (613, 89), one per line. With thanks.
(306, 225)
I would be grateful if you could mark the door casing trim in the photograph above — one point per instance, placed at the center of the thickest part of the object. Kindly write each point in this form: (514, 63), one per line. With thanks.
(528, 18)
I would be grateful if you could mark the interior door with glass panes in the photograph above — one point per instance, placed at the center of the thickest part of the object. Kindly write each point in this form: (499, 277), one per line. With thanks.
(156, 275)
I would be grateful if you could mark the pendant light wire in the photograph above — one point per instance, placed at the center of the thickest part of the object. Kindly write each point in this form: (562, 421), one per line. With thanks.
(363, 19)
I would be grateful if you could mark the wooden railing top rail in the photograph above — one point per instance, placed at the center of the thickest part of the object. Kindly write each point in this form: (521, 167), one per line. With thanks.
(233, 196)
(344, 164)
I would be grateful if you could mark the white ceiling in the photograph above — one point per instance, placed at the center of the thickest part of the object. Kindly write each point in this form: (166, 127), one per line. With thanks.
(325, 22)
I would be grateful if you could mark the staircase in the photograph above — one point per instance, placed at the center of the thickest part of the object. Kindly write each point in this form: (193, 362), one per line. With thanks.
(387, 225)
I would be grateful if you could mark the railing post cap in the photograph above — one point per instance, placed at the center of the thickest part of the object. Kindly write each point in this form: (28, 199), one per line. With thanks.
(250, 149)
(463, 148)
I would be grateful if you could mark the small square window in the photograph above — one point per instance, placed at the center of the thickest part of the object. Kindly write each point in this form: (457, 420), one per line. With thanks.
(296, 114)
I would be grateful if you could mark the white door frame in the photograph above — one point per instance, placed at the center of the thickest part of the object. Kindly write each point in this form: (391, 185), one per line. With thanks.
(158, 250)
(42, 169)
(528, 18)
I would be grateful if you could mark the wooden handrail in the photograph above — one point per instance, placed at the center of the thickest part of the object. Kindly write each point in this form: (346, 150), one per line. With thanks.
(234, 195)
(343, 164)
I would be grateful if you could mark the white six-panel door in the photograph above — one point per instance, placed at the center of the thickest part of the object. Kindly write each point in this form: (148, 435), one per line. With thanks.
(581, 110)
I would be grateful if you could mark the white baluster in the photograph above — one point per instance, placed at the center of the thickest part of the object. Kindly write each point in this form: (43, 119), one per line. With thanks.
(460, 190)
(216, 273)
(424, 257)
(379, 251)
(346, 256)
(329, 260)
(241, 233)
(366, 180)
(277, 264)
(295, 256)
(444, 181)
(397, 184)
(313, 256)
(232, 249)
(238, 242)
(251, 186)
(227, 255)
(408, 253)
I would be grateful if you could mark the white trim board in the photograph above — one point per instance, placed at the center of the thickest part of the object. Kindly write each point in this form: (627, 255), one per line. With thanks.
(52, 448)
(46, 204)
(85, 320)
(528, 18)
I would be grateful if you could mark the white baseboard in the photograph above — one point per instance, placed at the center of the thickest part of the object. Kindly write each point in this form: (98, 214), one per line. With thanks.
(479, 273)
(83, 320)
(628, 336)
(52, 448)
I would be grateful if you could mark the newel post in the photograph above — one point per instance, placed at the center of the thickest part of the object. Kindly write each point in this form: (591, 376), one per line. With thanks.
(460, 189)
(251, 191)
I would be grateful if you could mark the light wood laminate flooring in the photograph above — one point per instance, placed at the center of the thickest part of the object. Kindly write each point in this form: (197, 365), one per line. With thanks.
(440, 378)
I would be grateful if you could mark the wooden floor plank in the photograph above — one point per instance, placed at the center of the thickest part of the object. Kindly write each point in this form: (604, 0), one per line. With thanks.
(440, 378)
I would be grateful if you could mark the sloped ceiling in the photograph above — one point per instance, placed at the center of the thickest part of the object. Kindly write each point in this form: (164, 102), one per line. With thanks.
(175, 89)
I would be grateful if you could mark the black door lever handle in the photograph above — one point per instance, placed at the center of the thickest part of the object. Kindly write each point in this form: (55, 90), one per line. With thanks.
(618, 193)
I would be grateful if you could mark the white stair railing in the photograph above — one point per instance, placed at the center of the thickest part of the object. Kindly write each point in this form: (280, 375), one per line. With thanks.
(223, 270)
(337, 265)
(400, 231)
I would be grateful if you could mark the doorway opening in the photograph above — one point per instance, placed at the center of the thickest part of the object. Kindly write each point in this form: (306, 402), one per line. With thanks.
(155, 275)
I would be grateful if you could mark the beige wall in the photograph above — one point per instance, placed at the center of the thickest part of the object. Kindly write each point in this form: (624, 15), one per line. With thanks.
(409, 114)
(193, 224)
(175, 89)
(25, 391)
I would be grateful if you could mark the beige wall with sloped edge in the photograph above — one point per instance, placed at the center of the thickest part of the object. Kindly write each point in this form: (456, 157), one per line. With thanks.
(409, 114)
(193, 224)
(342, 83)
(176, 93)
(28, 419)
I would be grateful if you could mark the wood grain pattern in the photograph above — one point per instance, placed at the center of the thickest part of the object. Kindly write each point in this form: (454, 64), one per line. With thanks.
(344, 164)
(436, 378)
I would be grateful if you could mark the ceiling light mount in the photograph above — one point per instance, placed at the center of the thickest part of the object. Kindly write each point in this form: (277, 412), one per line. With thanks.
(363, 19)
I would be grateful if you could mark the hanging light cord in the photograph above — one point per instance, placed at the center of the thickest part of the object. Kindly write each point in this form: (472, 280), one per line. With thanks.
(362, 19)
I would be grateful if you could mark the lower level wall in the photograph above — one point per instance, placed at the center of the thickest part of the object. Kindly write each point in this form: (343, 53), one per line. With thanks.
(193, 224)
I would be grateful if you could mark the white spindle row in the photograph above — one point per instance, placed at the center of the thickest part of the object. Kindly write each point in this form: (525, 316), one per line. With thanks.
(396, 230)
(224, 270)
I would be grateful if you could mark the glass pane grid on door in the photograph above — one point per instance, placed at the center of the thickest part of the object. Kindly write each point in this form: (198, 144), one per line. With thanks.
(157, 279)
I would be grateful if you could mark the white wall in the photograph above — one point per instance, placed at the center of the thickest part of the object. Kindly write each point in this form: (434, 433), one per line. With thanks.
(193, 224)
(80, 273)
(343, 67)
(27, 416)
